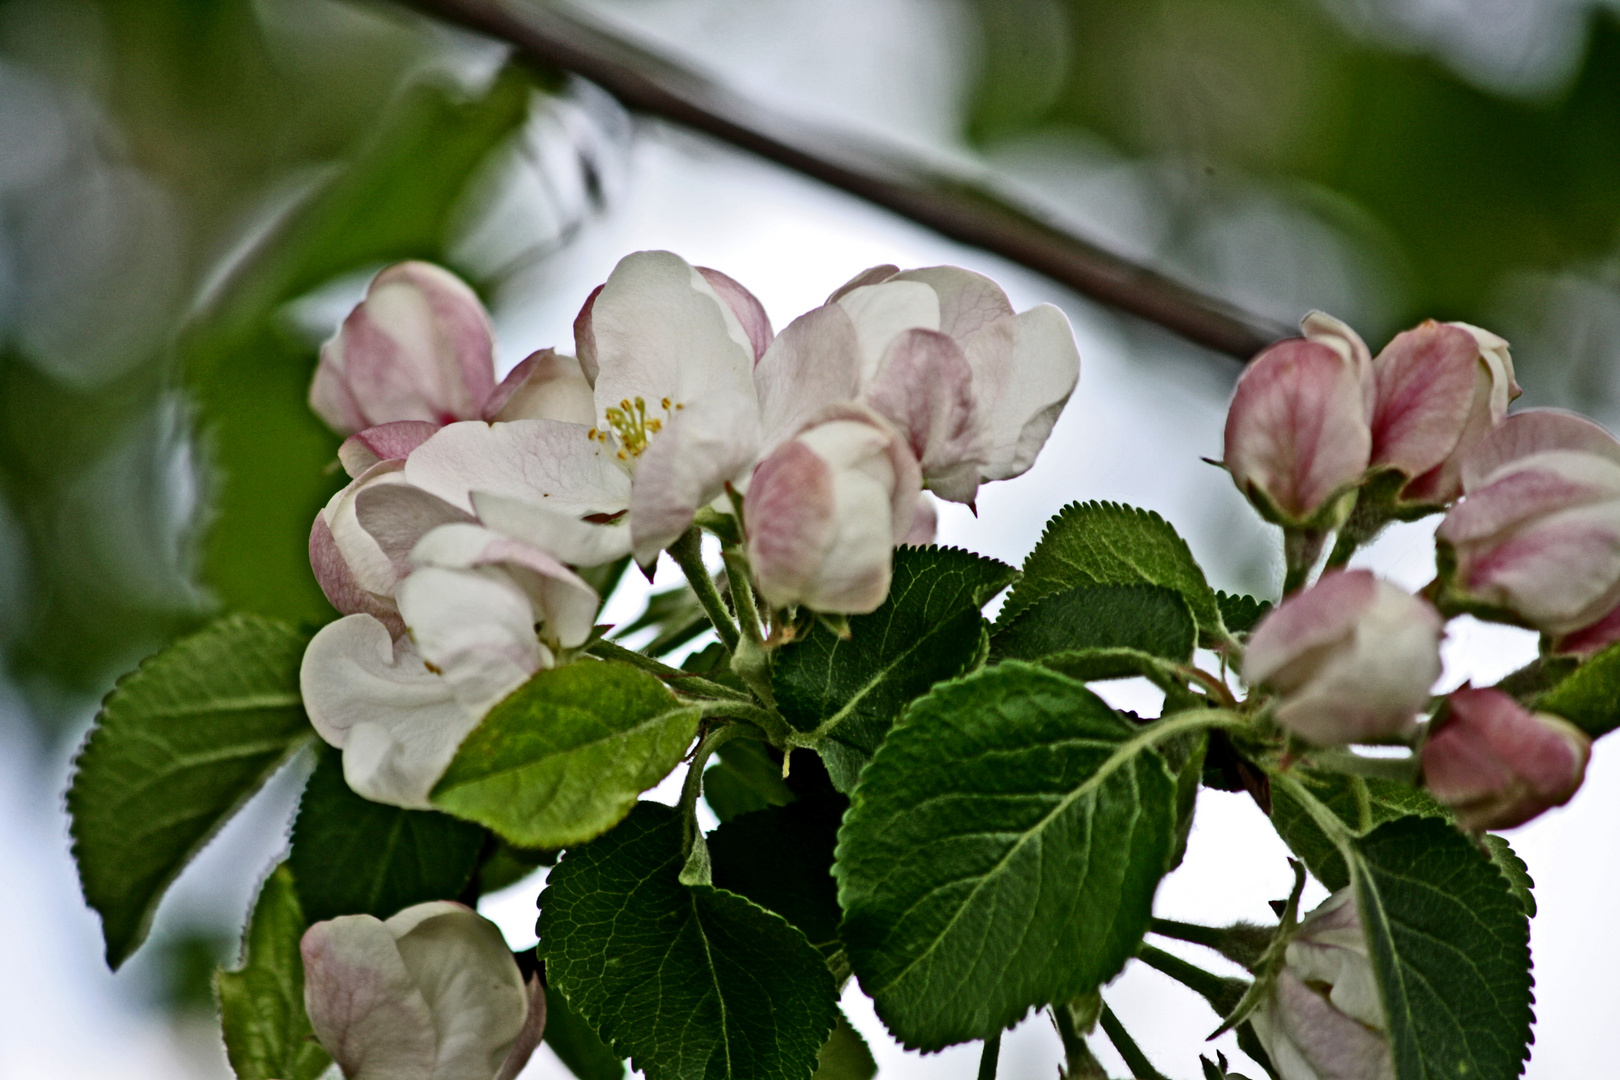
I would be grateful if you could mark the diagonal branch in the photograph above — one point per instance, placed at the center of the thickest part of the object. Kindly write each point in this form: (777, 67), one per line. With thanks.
(960, 207)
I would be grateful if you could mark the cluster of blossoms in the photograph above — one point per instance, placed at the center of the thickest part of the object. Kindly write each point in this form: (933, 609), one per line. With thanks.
(473, 505)
(1325, 438)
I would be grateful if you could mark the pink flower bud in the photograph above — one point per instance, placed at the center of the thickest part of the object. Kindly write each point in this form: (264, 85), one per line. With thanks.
(1537, 534)
(1297, 436)
(545, 386)
(419, 347)
(1324, 1019)
(432, 993)
(1352, 659)
(1440, 388)
(1497, 764)
(827, 508)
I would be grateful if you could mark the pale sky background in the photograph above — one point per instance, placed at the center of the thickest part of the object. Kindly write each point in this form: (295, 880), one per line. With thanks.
(1145, 412)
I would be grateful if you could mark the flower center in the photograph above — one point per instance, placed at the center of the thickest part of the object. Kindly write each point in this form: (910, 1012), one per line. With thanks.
(633, 426)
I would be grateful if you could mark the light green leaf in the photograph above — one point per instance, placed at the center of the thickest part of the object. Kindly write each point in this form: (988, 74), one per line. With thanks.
(928, 630)
(576, 1045)
(690, 982)
(1590, 698)
(1100, 543)
(563, 759)
(352, 856)
(1362, 803)
(1001, 853)
(180, 744)
(261, 1004)
(1450, 944)
(845, 1055)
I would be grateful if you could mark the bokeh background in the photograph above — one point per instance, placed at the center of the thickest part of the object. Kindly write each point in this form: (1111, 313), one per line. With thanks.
(192, 192)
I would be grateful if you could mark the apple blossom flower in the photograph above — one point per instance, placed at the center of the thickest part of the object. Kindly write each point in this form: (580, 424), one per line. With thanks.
(1497, 764)
(1537, 534)
(1351, 658)
(1298, 434)
(826, 510)
(972, 386)
(676, 418)
(546, 385)
(1440, 388)
(1324, 1018)
(419, 347)
(399, 706)
(432, 993)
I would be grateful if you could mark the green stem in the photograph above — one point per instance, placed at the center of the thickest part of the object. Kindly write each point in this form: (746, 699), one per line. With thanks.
(1078, 1061)
(769, 723)
(1330, 823)
(693, 785)
(1344, 546)
(1407, 769)
(1222, 994)
(1135, 1060)
(1300, 550)
(684, 681)
(688, 555)
(989, 1056)
(739, 577)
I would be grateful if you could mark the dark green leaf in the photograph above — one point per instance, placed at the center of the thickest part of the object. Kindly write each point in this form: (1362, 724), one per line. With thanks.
(781, 858)
(845, 1055)
(1143, 618)
(180, 744)
(352, 856)
(510, 864)
(1185, 756)
(1001, 852)
(1360, 802)
(576, 1045)
(745, 779)
(928, 630)
(1450, 944)
(690, 982)
(1100, 543)
(1590, 698)
(261, 1004)
(1518, 875)
(563, 759)
(1240, 613)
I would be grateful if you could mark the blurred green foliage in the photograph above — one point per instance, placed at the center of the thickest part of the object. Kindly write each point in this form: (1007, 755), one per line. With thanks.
(1472, 183)
(299, 140)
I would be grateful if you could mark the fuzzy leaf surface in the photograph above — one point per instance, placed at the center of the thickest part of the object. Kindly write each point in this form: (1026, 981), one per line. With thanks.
(927, 631)
(352, 856)
(1001, 853)
(563, 758)
(689, 982)
(179, 745)
(1589, 698)
(576, 1045)
(261, 1004)
(1100, 631)
(1450, 945)
(1100, 543)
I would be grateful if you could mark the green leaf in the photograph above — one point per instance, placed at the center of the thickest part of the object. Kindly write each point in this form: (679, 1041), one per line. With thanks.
(690, 982)
(1100, 631)
(1518, 875)
(1001, 852)
(1240, 613)
(845, 1055)
(563, 759)
(1362, 803)
(576, 1045)
(180, 744)
(1590, 698)
(1450, 945)
(261, 1004)
(928, 630)
(744, 779)
(1100, 543)
(352, 856)
(781, 858)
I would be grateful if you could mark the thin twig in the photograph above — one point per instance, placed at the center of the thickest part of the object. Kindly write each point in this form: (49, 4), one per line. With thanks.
(688, 555)
(989, 1057)
(961, 207)
(1135, 1060)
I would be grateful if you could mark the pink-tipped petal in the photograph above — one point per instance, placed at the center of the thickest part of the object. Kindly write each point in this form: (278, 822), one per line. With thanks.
(1426, 379)
(585, 336)
(926, 389)
(338, 582)
(814, 362)
(385, 442)
(362, 1004)
(545, 386)
(1531, 432)
(871, 276)
(743, 304)
(1497, 764)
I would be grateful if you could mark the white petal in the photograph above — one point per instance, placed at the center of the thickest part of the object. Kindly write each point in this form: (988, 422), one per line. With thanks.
(687, 465)
(967, 301)
(1021, 396)
(397, 722)
(576, 542)
(545, 386)
(879, 312)
(476, 627)
(395, 516)
(362, 1003)
(367, 562)
(565, 603)
(814, 362)
(541, 461)
(461, 965)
